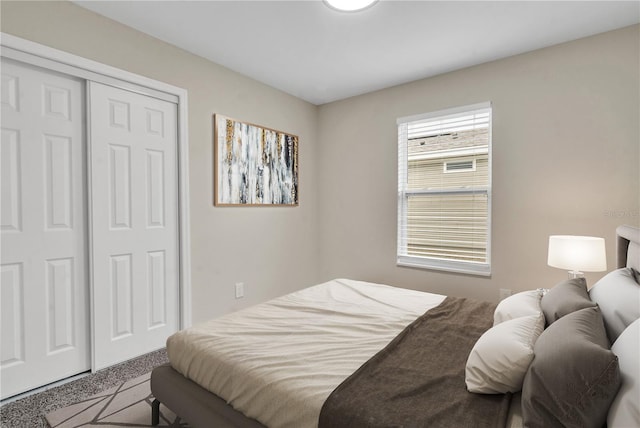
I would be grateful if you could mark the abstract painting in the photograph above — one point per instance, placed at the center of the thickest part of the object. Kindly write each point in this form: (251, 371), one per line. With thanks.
(254, 165)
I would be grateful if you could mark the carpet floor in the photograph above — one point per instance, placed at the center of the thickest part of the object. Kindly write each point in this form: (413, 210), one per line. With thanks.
(29, 411)
(126, 405)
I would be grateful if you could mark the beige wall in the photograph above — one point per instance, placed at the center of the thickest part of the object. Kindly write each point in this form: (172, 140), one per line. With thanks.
(565, 161)
(273, 250)
(565, 152)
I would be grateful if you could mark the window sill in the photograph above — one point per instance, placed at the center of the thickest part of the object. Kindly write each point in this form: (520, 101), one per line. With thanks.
(480, 269)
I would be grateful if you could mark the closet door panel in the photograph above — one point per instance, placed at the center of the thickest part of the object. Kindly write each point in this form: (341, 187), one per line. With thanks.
(45, 321)
(133, 158)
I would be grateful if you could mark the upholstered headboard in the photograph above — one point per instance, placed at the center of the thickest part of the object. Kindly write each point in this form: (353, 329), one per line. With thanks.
(628, 250)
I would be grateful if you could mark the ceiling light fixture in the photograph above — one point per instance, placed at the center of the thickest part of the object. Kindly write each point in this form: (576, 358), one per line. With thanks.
(349, 5)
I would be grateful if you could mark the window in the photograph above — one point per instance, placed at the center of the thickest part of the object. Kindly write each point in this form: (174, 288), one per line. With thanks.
(444, 190)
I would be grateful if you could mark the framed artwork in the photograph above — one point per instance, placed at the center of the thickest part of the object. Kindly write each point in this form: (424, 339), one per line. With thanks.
(254, 165)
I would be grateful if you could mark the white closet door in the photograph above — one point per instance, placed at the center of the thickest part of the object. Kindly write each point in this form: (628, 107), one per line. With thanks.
(44, 299)
(133, 169)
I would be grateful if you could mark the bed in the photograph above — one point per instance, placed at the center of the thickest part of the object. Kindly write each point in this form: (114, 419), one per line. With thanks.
(350, 353)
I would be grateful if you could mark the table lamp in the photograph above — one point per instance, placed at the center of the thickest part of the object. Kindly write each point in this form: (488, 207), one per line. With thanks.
(577, 254)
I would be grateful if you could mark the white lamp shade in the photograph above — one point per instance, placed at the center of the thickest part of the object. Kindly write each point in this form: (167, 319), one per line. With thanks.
(577, 253)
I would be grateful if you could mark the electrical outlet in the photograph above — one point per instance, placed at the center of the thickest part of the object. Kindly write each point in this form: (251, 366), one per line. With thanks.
(504, 293)
(239, 290)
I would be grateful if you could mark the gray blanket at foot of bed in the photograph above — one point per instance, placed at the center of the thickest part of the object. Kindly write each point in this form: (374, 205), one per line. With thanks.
(418, 379)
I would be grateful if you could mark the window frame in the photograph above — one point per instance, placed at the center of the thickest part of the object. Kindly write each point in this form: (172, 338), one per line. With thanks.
(423, 262)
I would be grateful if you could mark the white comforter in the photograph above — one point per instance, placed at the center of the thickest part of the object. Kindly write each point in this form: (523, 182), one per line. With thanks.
(277, 362)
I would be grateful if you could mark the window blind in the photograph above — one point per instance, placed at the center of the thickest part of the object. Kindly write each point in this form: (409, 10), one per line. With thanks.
(444, 211)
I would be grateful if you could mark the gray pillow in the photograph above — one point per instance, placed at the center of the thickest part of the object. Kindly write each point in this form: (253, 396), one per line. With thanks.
(566, 297)
(618, 296)
(574, 375)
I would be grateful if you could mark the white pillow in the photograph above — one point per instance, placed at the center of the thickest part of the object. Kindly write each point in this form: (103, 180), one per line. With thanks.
(618, 296)
(518, 305)
(625, 409)
(500, 358)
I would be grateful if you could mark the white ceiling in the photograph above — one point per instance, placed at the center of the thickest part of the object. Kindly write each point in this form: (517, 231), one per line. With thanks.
(321, 55)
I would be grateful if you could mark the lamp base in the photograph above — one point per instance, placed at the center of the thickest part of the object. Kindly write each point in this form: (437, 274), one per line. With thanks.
(575, 274)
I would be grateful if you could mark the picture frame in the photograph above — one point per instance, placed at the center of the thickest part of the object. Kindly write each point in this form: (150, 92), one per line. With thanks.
(254, 165)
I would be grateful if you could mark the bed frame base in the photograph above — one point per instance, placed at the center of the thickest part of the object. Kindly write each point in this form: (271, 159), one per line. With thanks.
(194, 404)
